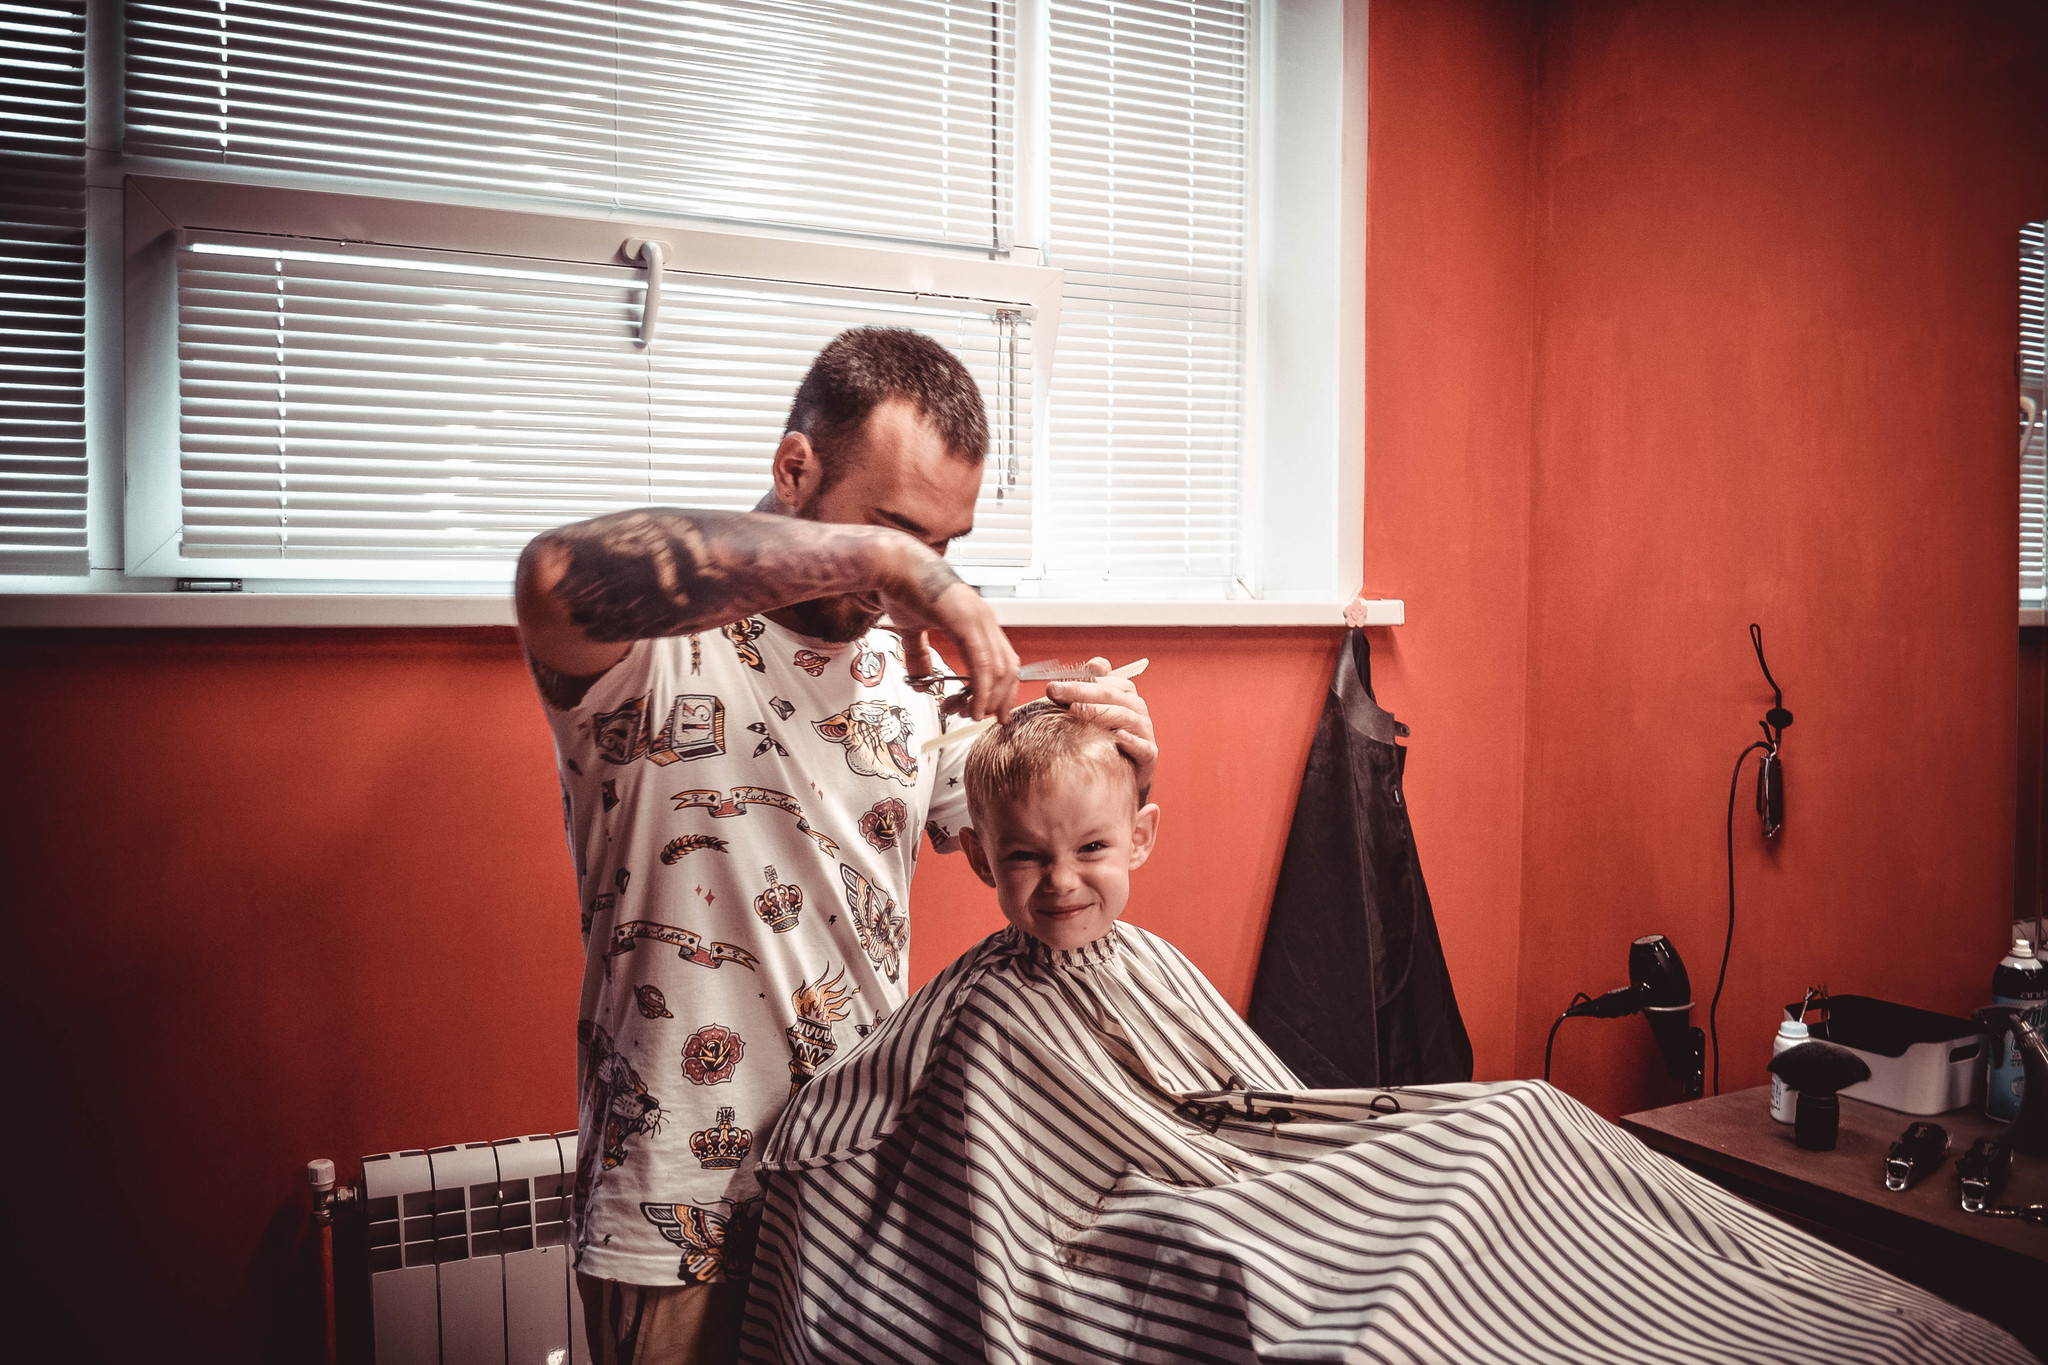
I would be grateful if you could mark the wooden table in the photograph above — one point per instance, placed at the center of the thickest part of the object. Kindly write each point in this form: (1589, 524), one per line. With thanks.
(1994, 1266)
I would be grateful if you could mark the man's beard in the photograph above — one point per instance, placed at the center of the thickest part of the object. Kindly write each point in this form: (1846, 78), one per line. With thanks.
(836, 620)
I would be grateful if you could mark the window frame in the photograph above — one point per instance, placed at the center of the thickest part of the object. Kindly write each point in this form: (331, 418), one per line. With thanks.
(1301, 547)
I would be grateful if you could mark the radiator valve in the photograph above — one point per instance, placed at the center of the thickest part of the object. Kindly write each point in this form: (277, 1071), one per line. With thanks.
(326, 1194)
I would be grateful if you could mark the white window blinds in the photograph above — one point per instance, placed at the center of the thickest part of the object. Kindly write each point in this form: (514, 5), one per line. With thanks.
(359, 411)
(1148, 219)
(42, 287)
(2033, 366)
(304, 442)
(889, 118)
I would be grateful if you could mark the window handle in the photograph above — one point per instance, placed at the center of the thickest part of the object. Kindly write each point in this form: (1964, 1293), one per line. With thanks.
(653, 254)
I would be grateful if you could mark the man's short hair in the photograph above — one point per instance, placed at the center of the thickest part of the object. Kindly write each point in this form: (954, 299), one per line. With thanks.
(866, 367)
(1041, 738)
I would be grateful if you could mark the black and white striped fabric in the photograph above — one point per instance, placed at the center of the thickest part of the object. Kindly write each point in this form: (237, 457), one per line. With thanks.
(1087, 1156)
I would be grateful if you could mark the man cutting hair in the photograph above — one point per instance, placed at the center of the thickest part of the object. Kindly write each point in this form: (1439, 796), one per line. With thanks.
(742, 785)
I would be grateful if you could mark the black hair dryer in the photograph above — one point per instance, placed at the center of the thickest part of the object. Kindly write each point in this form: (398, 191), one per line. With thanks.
(1659, 987)
(1658, 973)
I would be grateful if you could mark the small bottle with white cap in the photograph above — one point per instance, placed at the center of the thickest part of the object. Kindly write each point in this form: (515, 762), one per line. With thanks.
(1784, 1099)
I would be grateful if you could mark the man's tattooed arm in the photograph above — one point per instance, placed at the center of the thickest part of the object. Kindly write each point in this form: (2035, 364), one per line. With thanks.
(588, 588)
(639, 574)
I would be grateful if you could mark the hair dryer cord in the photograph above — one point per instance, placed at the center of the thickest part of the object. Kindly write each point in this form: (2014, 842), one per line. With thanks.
(1577, 1000)
(1727, 943)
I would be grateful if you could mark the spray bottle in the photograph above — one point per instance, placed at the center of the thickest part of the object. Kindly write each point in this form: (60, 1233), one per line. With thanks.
(1784, 1099)
(2021, 981)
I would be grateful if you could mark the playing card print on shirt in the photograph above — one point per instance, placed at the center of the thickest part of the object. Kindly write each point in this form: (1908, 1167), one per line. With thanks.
(693, 728)
(619, 733)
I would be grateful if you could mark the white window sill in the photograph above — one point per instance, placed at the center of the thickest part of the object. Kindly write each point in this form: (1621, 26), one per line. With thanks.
(318, 609)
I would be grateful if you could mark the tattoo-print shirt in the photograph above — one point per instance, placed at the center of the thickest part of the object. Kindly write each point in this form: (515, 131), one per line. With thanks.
(744, 807)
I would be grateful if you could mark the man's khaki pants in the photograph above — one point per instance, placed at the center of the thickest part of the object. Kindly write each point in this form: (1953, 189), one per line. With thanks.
(638, 1324)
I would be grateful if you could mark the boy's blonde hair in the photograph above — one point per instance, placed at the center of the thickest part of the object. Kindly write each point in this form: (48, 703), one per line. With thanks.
(1041, 738)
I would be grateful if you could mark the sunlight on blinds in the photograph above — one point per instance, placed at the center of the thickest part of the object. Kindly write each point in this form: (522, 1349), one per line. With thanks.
(359, 404)
(1148, 218)
(888, 118)
(42, 288)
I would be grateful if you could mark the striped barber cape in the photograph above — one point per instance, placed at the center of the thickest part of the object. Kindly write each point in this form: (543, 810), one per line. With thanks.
(1087, 1156)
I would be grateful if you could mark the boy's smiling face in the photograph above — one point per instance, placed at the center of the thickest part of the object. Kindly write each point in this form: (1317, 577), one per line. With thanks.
(1060, 858)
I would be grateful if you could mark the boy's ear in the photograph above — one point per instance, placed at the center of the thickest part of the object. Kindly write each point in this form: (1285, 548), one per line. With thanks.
(977, 856)
(1144, 834)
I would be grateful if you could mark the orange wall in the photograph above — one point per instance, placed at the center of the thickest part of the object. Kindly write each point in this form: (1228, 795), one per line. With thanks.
(1449, 272)
(276, 895)
(1678, 317)
(1777, 283)
(286, 894)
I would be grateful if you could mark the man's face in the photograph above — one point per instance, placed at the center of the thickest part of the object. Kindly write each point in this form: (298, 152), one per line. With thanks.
(903, 477)
(1061, 859)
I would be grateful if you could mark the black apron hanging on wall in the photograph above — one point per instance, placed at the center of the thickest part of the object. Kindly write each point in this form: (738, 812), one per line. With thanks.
(1352, 989)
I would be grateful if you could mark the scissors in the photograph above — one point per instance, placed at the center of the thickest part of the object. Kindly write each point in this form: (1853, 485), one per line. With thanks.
(1047, 670)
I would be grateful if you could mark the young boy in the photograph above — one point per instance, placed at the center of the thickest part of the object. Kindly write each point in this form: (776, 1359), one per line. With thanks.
(1068, 1148)
(1059, 824)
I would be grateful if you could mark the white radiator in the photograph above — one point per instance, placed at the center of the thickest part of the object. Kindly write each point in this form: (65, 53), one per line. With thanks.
(469, 1254)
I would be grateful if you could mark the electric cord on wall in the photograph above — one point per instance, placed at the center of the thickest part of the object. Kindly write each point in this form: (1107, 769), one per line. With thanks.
(1728, 943)
(1580, 999)
(1770, 805)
